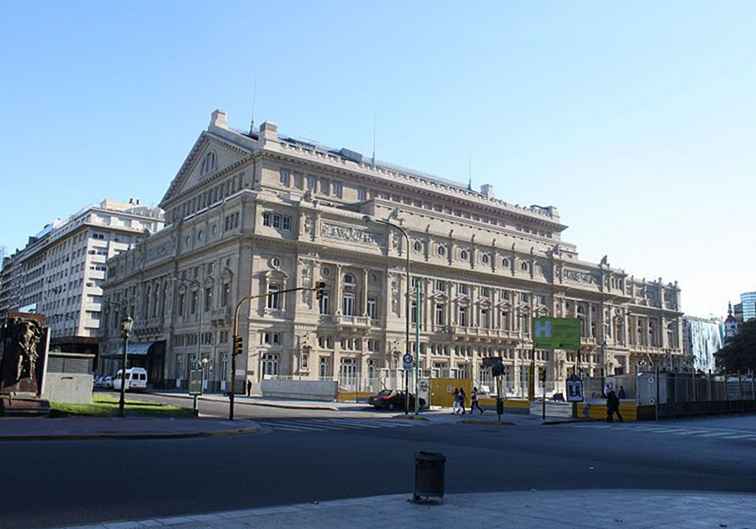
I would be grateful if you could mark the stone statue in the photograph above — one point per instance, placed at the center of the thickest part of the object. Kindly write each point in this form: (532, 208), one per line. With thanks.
(22, 355)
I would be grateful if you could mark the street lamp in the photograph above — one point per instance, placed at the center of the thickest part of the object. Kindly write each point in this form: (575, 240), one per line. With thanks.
(368, 219)
(126, 324)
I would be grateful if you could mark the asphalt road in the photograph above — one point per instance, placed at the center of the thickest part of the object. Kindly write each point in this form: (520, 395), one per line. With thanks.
(51, 484)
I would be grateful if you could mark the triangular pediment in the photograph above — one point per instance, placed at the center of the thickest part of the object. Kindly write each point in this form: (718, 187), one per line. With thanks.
(209, 155)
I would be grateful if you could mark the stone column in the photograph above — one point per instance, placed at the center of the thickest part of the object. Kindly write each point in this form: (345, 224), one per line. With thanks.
(365, 278)
(337, 290)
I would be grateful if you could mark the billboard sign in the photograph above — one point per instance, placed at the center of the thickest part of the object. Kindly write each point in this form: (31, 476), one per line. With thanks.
(556, 333)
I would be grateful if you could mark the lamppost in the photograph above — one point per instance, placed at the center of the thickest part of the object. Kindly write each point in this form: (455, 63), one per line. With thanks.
(386, 222)
(126, 325)
(536, 312)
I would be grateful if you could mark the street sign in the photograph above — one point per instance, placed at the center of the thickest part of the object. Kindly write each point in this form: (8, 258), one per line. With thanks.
(195, 382)
(574, 389)
(557, 333)
(408, 361)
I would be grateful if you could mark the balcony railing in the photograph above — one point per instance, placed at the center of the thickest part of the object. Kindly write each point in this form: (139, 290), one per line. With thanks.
(345, 320)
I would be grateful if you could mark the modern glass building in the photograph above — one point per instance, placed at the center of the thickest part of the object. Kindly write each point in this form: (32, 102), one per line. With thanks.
(748, 300)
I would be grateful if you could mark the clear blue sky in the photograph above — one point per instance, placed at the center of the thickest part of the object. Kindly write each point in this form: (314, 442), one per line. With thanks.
(635, 119)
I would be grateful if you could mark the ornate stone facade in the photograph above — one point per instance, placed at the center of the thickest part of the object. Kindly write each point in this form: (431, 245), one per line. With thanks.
(250, 213)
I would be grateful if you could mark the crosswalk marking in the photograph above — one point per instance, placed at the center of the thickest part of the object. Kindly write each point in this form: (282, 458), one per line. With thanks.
(313, 425)
(705, 433)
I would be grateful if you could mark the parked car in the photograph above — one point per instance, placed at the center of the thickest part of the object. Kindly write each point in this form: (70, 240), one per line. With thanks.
(392, 399)
(136, 379)
(106, 382)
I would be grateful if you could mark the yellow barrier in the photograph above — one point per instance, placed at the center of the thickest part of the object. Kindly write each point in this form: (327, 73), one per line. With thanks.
(442, 390)
(351, 396)
(629, 411)
(513, 404)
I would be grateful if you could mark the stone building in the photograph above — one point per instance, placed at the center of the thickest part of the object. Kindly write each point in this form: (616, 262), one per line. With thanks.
(258, 212)
(61, 270)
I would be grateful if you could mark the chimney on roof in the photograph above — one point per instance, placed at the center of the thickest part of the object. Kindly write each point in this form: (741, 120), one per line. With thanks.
(268, 132)
(486, 190)
(219, 119)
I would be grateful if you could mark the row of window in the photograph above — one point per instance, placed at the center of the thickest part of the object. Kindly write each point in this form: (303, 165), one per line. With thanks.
(276, 220)
(330, 187)
(207, 198)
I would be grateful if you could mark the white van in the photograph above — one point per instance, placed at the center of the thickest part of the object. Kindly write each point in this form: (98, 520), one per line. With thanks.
(136, 379)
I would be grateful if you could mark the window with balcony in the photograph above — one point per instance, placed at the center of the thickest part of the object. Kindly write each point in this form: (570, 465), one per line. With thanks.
(462, 319)
(347, 307)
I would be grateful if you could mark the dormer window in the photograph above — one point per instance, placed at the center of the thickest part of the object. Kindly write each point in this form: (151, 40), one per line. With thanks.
(209, 163)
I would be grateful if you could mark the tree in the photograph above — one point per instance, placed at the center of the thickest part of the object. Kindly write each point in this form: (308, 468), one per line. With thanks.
(740, 353)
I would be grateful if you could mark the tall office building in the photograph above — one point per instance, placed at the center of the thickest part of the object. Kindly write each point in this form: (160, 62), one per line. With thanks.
(748, 302)
(59, 273)
(258, 212)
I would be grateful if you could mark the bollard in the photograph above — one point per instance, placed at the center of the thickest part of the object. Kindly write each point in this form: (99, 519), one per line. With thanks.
(430, 468)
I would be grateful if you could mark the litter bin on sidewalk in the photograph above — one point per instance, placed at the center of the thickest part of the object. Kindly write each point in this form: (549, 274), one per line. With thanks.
(429, 476)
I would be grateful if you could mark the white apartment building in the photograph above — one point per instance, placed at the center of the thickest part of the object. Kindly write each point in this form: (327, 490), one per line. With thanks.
(60, 272)
(258, 212)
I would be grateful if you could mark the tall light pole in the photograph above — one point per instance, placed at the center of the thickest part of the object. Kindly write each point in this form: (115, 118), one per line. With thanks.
(368, 219)
(238, 343)
(198, 285)
(126, 325)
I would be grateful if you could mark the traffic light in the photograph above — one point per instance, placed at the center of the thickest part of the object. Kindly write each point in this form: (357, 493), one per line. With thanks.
(238, 345)
(319, 289)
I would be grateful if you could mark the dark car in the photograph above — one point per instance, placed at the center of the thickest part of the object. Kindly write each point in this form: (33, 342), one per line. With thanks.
(392, 399)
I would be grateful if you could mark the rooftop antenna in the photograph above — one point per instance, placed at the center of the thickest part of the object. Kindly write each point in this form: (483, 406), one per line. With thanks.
(469, 173)
(254, 98)
(373, 157)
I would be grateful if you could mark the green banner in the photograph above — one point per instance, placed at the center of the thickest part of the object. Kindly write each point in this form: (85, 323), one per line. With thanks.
(557, 333)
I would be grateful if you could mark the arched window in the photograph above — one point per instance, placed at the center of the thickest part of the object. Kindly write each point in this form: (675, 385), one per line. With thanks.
(441, 250)
(505, 262)
(524, 267)
(418, 246)
(463, 255)
(484, 258)
(348, 279)
(208, 163)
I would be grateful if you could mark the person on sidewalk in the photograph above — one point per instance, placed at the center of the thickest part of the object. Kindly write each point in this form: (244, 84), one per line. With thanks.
(612, 407)
(249, 388)
(475, 403)
(621, 393)
(455, 401)
(462, 398)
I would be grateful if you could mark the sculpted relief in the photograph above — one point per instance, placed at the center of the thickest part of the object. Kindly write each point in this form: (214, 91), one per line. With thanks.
(349, 234)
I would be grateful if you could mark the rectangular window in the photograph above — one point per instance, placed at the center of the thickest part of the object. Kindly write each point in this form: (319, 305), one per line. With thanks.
(462, 317)
(463, 290)
(413, 311)
(325, 186)
(338, 189)
(372, 308)
(440, 314)
(286, 223)
(440, 285)
(195, 296)
(323, 303)
(266, 218)
(274, 298)
(208, 298)
(310, 182)
(225, 294)
(285, 177)
(362, 194)
(348, 305)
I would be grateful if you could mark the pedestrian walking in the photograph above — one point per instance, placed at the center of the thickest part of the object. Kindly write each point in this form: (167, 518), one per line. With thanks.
(475, 403)
(621, 393)
(455, 401)
(612, 407)
(462, 398)
(249, 388)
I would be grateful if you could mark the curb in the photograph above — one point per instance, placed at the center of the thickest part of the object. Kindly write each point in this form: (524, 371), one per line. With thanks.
(487, 423)
(129, 436)
(248, 403)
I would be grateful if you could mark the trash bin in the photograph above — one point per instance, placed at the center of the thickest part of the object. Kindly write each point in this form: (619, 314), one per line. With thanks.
(429, 475)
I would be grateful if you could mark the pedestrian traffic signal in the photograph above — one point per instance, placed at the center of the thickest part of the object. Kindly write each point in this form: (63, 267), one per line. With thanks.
(238, 345)
(319, 289)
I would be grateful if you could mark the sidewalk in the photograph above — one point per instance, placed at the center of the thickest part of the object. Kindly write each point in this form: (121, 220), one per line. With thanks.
(271, 403)
(558, 509)
(77, 428)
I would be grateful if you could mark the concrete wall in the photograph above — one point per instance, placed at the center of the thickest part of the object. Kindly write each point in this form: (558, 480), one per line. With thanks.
(71, 388)
(300, 389)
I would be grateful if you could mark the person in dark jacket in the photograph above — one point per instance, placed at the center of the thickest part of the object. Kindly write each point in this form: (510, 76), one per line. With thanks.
(475, 403)
(249, 388)
(621, 393)
(612, 407)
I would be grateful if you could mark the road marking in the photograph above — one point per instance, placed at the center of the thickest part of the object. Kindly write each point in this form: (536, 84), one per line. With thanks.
(359, 422)
(740, 436)
(714, 434)
(288, 426)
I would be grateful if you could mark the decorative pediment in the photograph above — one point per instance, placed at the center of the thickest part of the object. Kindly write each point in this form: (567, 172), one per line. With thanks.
(209, 155)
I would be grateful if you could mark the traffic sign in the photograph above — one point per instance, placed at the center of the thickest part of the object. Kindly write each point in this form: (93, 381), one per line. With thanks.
(557, 333)
(408, 360)
(195, 382)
